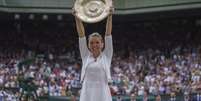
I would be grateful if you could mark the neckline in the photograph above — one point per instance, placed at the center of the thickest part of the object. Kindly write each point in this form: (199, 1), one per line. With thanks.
(97, 58)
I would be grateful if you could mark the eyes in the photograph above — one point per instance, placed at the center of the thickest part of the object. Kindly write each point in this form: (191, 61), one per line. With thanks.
(94, 42)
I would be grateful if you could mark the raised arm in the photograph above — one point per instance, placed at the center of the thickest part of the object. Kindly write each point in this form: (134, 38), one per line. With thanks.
(82, 39)
(108, 36)
(109, 24)
(80, 27)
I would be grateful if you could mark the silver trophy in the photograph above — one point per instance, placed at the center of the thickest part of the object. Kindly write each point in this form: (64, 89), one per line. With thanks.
(92, 11)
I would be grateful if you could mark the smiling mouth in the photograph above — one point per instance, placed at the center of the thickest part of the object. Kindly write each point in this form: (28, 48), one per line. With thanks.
(94, 49)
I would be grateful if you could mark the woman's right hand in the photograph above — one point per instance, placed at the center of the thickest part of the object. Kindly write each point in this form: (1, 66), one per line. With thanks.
(111, 10)
(74, 12)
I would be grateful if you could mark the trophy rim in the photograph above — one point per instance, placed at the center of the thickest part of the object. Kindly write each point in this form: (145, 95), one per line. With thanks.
(83, 17)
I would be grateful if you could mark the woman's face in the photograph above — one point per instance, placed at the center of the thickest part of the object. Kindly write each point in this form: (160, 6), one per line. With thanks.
(95, 44)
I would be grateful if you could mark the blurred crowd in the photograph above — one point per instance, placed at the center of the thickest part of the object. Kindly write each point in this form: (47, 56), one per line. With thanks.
(148, 70)
(156, 73)
(140, 63)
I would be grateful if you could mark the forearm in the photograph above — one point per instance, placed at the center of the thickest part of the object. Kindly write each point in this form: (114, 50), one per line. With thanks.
(80, 27)
(109, 26)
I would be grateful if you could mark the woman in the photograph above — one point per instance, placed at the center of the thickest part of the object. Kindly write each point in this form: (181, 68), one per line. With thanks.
(95, 74)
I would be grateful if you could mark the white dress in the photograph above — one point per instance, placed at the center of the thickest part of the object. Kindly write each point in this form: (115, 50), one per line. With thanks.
(95, 86)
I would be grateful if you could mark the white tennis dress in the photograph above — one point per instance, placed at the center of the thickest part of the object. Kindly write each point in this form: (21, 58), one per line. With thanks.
(95, 82)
